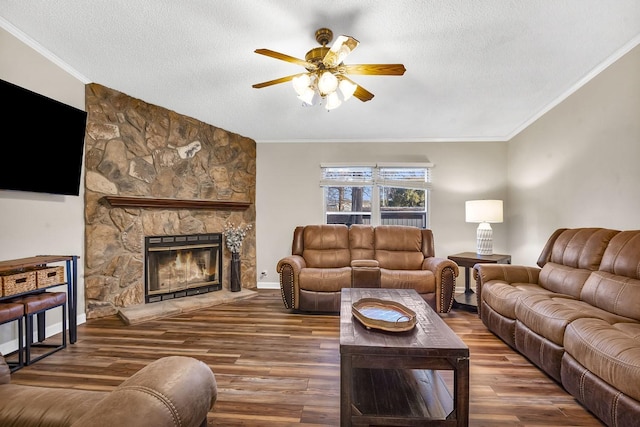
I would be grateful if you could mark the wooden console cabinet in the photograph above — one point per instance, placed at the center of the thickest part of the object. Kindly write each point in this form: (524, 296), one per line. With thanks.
(71, 272)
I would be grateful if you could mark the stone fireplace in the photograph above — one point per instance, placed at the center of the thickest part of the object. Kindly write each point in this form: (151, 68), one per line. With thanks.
(152, 172)
(181, 266)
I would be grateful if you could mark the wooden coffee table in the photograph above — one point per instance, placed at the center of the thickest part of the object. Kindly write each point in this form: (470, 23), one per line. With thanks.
(394, 378)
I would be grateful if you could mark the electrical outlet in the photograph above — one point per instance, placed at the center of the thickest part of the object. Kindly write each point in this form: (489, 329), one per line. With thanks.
(263, 274)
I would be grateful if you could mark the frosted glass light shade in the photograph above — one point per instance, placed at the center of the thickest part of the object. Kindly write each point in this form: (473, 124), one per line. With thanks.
(308, 96)
(333, 101)
(347, 89)
(301, 83)
(327, 83)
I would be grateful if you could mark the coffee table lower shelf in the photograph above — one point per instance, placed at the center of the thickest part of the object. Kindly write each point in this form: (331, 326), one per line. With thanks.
(418, 377)
(411, 397)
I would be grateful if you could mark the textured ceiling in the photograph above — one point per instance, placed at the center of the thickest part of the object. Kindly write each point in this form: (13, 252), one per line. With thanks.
(476, 70)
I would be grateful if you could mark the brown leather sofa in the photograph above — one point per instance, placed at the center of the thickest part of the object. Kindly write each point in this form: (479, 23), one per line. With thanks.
(169, 392)
(326, 258)
(576, 316)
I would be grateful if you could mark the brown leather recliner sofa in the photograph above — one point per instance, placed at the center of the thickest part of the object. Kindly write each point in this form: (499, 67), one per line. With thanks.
(169, 392)
(576, 316)
(326, 258)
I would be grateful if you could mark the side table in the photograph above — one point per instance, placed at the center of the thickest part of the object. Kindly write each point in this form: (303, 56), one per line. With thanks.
(467, 260)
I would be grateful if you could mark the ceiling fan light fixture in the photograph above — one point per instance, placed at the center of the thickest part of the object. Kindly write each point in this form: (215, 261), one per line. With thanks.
(308, 97)
(347, 89)
(301, 83)
(332, 101)
(327, 83)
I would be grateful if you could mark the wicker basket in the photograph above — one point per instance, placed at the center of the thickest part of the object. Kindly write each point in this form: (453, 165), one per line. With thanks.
(17, 281)
(49, 276)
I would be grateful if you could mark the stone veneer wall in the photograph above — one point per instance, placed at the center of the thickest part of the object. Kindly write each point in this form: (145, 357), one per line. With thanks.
(136, 149)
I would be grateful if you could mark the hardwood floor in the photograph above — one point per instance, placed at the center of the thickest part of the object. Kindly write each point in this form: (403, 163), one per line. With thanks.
(275, 368)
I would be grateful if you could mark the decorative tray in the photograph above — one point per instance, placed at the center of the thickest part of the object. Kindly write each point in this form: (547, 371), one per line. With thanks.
(387, 315)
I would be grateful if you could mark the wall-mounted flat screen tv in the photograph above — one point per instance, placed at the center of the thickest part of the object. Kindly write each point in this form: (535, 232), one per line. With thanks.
(42, 142)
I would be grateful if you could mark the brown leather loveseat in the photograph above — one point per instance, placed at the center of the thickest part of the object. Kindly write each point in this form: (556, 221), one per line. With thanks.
(576, 316)
(169, 392)
(326, 258)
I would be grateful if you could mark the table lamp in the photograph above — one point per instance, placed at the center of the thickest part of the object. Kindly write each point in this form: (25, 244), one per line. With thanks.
(484, 212)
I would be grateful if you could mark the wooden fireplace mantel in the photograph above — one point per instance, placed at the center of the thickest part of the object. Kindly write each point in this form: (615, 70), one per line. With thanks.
(148, 202)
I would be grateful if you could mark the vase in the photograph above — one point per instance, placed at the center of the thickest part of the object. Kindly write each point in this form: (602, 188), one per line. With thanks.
(236, 274)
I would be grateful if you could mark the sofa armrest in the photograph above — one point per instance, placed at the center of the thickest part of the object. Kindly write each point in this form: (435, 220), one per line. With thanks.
(171, 391)
(365, 263)
(482, 273)
(288, 269)
(445, 272)
(506, 272)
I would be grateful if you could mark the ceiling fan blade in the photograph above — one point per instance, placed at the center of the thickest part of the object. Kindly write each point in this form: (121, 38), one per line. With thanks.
(340, 49)
(361, 93)
(276, 81)
(375, 69)
(287, 58)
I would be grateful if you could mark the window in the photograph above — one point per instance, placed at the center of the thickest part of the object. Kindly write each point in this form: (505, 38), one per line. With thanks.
(393, 194)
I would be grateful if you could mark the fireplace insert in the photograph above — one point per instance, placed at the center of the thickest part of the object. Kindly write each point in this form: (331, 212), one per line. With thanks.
(182, 265)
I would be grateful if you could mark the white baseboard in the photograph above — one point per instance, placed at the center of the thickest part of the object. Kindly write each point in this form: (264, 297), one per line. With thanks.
(268, 285)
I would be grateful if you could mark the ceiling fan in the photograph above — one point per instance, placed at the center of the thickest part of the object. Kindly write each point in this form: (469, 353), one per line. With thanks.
(327, 76)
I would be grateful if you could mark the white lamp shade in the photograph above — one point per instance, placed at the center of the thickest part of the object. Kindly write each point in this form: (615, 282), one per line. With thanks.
(484, 211)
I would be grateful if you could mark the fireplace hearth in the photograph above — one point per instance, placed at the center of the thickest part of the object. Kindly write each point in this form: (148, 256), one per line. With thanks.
(182, 265)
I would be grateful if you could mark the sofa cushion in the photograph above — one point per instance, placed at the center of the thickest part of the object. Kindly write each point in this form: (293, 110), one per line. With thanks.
(622, 256)
(361, 241)
(326, 246)
(549, 316)
(574, 255)
(503, 297)
(422, 281)
(616, 286)
(610, 351)
(581, 247)
(613, 293)
(398, 247)
(325, 279)
(563, 279)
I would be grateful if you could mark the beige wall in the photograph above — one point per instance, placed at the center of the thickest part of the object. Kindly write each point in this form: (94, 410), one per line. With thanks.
(31, 223)
(23, 66)
(578, 165)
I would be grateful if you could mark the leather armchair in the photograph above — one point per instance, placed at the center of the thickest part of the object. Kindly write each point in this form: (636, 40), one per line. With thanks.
(169, 392)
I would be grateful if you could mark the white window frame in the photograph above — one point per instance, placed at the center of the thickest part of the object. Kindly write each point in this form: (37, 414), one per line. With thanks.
(375, 183)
